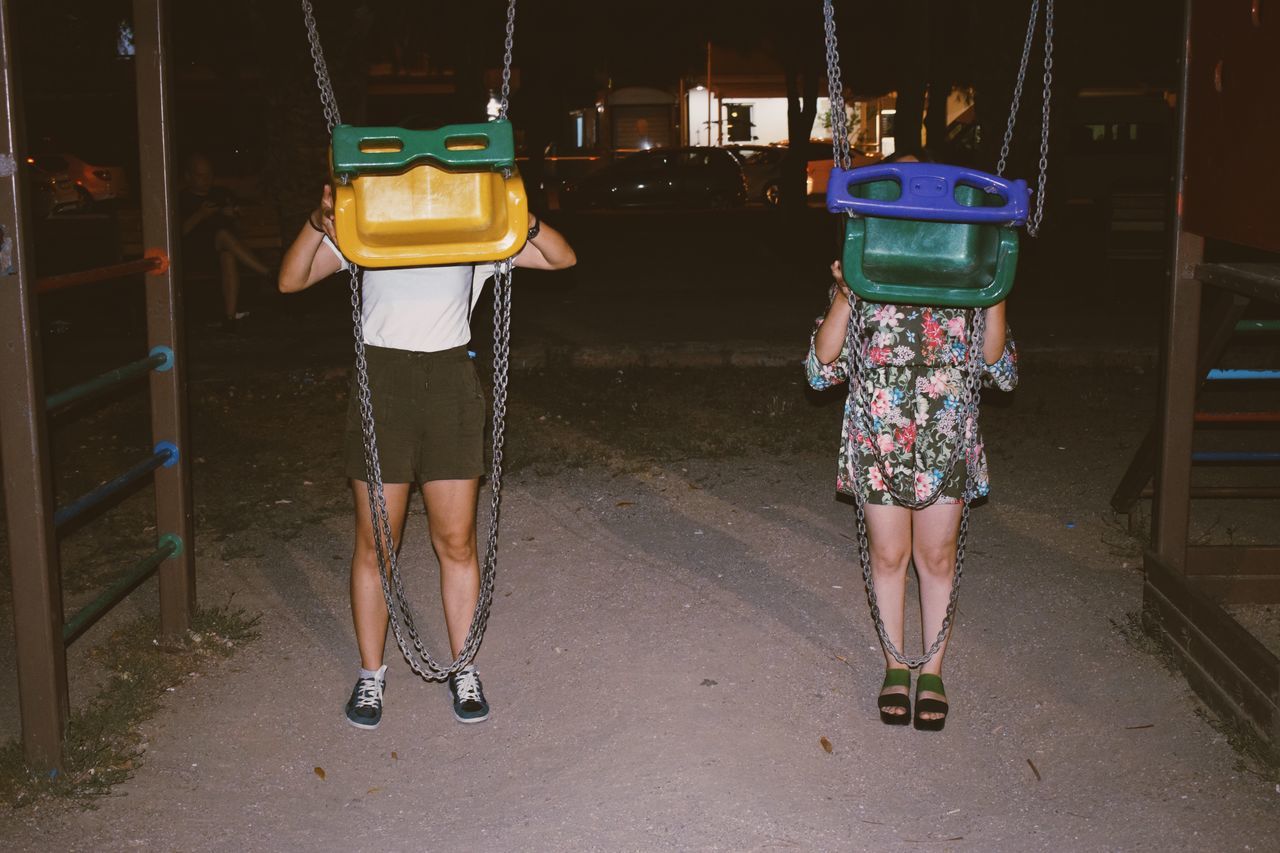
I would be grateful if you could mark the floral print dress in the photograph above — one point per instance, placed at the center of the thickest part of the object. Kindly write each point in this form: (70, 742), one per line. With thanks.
(915, 388)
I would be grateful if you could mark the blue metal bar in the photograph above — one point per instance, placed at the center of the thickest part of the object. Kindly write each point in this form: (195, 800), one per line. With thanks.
(1249, 375)
(1236, 456)
(168, 546)
(104, 382)
(162, 456)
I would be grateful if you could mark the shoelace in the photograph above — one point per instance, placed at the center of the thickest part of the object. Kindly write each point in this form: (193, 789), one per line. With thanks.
(368, 693)
(467, 685)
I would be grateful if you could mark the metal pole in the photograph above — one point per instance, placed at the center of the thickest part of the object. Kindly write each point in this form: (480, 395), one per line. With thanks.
(1171, 513)
(708, 91)
(33, 551)
(164, 311)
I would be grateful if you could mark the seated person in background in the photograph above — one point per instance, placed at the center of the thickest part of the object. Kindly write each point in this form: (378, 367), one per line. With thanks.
(209, 234)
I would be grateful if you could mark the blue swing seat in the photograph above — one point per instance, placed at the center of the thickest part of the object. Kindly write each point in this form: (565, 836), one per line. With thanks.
(929, 234)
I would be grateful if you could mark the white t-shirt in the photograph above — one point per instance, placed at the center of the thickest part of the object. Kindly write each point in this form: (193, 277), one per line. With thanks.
(423, 309)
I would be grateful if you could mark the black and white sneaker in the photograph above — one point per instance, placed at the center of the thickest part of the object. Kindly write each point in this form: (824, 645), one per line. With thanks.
(364, 708)
(469, 704)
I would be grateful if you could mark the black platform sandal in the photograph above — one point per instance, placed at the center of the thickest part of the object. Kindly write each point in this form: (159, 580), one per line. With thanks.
(895, 678)
(932, 684)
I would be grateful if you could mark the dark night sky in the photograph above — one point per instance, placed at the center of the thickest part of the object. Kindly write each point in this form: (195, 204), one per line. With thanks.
(569, 49)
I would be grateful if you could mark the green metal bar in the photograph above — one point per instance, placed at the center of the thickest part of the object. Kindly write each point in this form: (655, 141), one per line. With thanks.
(170, 546)
(1258, 326)
(103, 382)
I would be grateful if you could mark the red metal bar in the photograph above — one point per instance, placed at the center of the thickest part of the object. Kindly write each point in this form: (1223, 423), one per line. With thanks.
(174, 515)
(90, 276)
(1238, 417)
(24, 457)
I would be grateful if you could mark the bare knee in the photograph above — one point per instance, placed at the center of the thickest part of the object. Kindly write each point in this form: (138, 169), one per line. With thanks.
(889, 559)
(455, 548)
(936, 562)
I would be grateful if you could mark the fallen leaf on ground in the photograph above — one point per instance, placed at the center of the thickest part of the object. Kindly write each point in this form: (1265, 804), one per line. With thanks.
(320, 773)
(1032, 765)
(624, 503)
(395, 757)
(1135, 728)
(373, 790)
(826, 745)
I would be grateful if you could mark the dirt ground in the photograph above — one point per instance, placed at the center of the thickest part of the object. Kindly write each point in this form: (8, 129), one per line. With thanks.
(678, 625)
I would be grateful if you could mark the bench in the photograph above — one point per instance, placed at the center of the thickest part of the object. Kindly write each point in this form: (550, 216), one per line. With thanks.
(259, 229)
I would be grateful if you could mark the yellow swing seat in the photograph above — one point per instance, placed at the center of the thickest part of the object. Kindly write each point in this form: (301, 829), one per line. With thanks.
(417, 198)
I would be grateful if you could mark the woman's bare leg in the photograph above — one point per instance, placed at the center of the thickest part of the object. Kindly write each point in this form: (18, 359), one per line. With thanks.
(368, 605)
(934, 533)
(230, 281)
(889, 536)
(227, 241)
(451, 516)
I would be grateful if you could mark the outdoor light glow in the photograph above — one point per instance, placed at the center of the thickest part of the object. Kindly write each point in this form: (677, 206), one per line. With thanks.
(493, 109)
(699, 88)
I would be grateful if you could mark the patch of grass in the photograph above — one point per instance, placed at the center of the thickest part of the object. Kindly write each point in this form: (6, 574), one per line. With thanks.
(104, 743)
(1134, 631)
(1253, 754)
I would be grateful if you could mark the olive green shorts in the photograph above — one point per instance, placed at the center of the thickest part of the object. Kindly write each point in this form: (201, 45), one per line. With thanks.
(428, 413)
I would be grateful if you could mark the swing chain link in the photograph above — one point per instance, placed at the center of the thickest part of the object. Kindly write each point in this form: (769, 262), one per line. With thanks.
(505, 96)
(857, 345)
(1017, 88)
(328, 101)
(398, 608)
(835, 90)
(1033, 222)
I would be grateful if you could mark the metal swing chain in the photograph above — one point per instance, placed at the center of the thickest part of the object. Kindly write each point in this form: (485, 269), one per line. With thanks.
(328, 102)
(398, 608)
(1033, 222)
(505, 96)
(835, 90)
(967, 445)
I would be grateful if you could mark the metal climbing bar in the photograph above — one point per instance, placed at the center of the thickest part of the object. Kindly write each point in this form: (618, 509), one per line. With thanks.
(1227, 457)
(1242, 375)
(1258, 326)
(104, 382)
(1238, 417)
(162, 457)
(96, 274)
(86, 616)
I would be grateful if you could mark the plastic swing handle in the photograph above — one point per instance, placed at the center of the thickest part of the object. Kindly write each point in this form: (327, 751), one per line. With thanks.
(928, 193)
(487, 146)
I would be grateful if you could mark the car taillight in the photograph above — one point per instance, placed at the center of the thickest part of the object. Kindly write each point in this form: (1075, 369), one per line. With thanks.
(102, 174)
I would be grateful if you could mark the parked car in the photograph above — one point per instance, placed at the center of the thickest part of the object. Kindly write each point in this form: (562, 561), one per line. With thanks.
(96, 183)
(662, 177)
(820, 163)
(52, 189)
(762, 166)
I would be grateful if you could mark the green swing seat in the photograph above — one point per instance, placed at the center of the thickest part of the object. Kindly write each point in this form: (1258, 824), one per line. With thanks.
(958, 249)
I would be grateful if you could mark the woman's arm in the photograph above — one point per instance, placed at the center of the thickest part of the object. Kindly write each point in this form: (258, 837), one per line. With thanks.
(548, 250)
(994, 338)
(830, 337)
(307, 261)
(203, 212)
